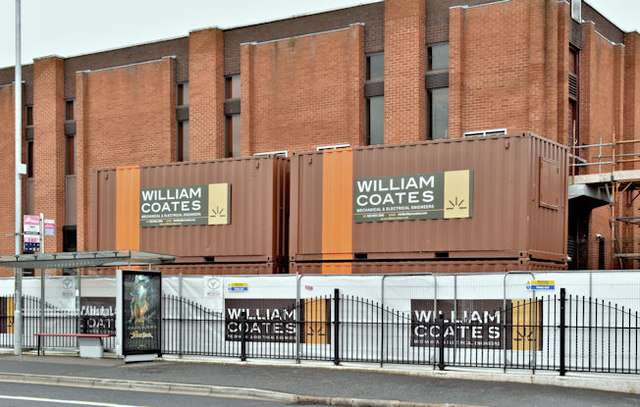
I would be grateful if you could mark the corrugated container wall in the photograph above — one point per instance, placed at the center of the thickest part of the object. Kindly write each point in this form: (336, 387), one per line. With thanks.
(502, 197)
(129, 211)
(426, 266)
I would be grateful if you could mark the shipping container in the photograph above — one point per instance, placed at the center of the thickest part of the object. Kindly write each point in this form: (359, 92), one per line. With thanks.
(222, 269)
(427, 266)
(502, 197)
(222, 211)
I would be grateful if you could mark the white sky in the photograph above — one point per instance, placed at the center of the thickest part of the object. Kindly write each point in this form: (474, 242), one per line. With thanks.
(74, 27)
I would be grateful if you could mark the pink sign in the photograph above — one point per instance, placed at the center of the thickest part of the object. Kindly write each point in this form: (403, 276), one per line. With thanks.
(31, 224)
(49, 227)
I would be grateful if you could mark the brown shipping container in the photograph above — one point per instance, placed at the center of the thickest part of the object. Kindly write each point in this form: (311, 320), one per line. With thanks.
(256, 189)
(505, 197)
(428, 266)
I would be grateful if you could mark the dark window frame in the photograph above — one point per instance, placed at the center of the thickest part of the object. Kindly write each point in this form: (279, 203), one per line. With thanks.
(430, 57)
(182, 141)
(232, 87)
(30, 159)
(376, 58)
(429, 113)
(368, 132)
(70, 155)
(69, 110)
(28, 115)
(230, 140)
(182, 94)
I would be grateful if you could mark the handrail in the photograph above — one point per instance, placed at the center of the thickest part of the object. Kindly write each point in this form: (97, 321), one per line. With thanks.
(613, 158)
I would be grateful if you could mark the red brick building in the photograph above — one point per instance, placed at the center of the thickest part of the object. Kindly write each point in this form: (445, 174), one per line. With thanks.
(396, 71)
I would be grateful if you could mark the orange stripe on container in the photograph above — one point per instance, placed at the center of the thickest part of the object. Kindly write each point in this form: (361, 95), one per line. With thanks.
(337, 207)
(337, 268)
(128, 208)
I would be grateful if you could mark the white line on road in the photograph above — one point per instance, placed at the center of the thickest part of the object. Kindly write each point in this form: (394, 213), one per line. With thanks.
(82, 403)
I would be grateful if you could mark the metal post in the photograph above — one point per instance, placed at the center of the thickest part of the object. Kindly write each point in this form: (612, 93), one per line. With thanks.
(563, 297)
(181, 319)
(441, 341)
(504, 310)
(42, 281)
(78, 297)
(455, 319)
(19, 170)
(336, 329)
(382, 320)
(243, 336)
(298, 317)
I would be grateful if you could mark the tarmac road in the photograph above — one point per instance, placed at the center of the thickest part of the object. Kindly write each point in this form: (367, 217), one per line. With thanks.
(283, 383)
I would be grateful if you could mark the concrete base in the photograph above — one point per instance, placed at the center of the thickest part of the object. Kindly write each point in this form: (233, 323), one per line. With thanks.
(140, 358)
(90, 347)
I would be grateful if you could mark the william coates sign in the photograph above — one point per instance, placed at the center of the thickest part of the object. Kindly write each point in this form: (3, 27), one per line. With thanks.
(439, 195)
(185, 205)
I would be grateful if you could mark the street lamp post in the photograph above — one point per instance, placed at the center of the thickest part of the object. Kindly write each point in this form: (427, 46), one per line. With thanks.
(20, 170)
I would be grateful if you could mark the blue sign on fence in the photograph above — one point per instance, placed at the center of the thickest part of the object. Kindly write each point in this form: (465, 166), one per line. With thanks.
(238, 287)
(541, 285)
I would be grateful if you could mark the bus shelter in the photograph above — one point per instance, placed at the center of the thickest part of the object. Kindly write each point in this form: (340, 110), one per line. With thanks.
(71, 260)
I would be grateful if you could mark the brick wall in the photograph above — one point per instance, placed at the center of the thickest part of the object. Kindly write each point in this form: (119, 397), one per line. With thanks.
(303, 92)
(562, 85)
(178, 48)
(504, 68)
(600, 89)
(206, 98)
(404, 71)
(631, 114)
(49, 145)
(124, 116)
(371, 15)
(7, 173)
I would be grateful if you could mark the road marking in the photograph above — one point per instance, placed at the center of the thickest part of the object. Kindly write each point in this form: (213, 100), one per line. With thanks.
(82, 403)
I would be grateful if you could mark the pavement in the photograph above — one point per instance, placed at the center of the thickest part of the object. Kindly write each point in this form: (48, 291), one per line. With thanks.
(323, 383)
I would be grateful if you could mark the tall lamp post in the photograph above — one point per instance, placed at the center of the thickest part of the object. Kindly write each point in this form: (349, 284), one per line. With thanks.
(20, 170)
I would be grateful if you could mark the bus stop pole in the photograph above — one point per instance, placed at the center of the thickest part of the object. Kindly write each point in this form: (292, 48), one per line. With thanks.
(42, 278)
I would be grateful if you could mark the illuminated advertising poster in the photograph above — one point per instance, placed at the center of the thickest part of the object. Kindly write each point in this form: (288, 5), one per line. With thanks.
(142, 312)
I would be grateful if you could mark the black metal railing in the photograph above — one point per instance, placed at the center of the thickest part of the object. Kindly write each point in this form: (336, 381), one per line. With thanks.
(561, 333)
(56, 320)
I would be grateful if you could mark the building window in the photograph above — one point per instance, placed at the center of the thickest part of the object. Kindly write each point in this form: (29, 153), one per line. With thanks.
(232, 87)
(438, 57)
(438, 114)
(69, 240)
(375, 66)
(437, 83)
(182, 94)
(374, 102)
(232, 127)
(574, 96)
(374, 111)
(485, 133)
(183, 141)
(333, 147)
(233, 136)
(29, 115)
(70, 155)
(70, 110)
(29, 159)
(281, 153)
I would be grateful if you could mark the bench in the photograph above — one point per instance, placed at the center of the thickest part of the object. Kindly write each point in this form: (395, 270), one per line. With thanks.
(90, 344)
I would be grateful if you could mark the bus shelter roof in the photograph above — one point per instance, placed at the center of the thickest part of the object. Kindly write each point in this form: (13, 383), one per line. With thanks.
(104, 258)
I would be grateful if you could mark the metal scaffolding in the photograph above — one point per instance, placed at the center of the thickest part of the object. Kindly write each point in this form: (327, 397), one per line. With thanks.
(610, 166)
